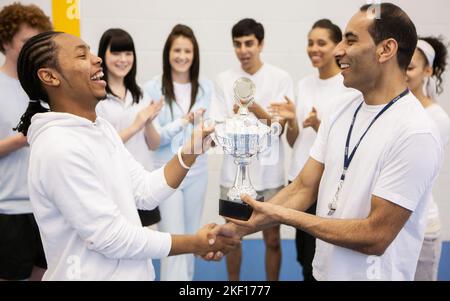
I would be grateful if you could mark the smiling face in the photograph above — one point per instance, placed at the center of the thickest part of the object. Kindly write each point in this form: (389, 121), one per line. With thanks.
(80, 72)
(320, 47)
(248, 50)
(12, 49)
(418, 70)
(118, 63)
(357, 55)
(181, 55)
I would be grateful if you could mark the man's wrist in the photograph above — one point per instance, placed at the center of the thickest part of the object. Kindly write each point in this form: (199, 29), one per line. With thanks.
(196, 244)
(239, 231)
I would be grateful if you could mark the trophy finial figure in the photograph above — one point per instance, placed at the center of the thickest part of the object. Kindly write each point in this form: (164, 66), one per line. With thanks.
(241, 136)
(244, 94)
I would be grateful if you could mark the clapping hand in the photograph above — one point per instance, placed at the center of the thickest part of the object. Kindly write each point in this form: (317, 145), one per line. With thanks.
(284, 110)
(312, 120)
(148, 113)
(198, 116)
(194, 117)
(188, 118)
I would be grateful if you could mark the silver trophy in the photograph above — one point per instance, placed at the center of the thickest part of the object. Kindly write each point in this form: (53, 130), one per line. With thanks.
(242, 137)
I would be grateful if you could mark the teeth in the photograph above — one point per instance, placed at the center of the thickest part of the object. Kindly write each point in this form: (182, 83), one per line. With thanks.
(344, 66)
(98, 76)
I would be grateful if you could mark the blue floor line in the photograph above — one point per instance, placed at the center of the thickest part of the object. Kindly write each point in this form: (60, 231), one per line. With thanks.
(253, 264)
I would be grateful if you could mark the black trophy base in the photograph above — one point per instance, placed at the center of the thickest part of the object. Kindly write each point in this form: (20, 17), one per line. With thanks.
(240, 211)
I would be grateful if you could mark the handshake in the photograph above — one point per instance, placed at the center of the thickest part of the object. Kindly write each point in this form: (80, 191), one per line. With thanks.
(214, 241)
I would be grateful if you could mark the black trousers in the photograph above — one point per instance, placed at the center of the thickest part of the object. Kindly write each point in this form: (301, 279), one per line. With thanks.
(149, 217)
(20, 246)
(306, 247)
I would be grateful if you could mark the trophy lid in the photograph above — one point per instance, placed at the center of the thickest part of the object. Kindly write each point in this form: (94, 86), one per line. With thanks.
(244, 93)
(243, 135)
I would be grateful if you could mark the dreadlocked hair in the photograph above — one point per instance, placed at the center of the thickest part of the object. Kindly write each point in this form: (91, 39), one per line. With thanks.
(38, 52)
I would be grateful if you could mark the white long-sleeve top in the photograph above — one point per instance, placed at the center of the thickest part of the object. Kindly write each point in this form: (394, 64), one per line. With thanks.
(85, 188)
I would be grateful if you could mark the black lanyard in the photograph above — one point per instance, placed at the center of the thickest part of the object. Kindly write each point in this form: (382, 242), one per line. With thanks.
(347, 159)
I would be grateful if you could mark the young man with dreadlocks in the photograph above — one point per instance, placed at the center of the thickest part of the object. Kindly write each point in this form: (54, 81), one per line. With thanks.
(84, 185)
(21, 253)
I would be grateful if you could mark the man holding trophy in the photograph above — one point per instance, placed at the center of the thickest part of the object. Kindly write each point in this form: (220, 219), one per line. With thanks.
(366, 167)
(267, 168)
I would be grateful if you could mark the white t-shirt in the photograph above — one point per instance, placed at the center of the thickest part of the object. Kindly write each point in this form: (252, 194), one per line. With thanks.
(183, 95)
(272, 84)
(440, 117)
(442, 120)
(388, 164)
(317, 93)
(121, 114)
(14, 197)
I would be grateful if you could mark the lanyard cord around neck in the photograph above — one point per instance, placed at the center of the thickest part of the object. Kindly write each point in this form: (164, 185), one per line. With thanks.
(348, 159)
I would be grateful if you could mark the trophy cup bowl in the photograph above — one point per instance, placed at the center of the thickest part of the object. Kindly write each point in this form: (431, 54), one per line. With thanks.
(242, 137)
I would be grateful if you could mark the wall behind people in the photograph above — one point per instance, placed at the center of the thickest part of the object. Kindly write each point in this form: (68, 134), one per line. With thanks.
(286, 22)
